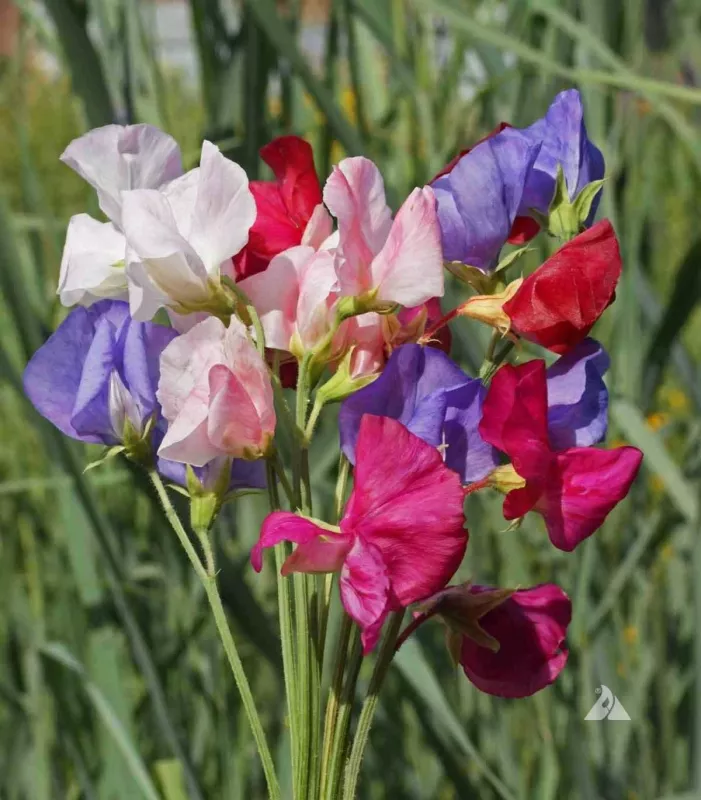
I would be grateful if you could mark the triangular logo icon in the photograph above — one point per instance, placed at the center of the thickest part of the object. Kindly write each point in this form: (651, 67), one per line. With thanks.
(607, 706)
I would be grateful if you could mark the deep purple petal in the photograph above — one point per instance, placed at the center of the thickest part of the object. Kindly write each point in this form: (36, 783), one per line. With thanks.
(479, 199)
(467, 453)
(564, 141)
(408, 390)
(577, 397)
(53, 376)
(91, 412)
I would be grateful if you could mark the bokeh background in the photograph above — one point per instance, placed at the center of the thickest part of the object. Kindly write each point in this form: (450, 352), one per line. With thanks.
(112, 681)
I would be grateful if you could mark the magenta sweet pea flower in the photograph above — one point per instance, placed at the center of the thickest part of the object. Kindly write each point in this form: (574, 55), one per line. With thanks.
(509, 643)
(574, 489)
(401, 537)
(97, 372)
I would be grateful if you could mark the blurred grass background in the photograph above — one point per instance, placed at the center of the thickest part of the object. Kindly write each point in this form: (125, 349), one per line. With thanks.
(112, 682)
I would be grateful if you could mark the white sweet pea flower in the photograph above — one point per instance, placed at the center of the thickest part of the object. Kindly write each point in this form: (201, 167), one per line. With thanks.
(183, 236)
(112, 159)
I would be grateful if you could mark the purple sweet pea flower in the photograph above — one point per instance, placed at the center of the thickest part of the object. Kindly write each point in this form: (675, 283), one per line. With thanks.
(96, 371)
(244, 474)
(563, 139)
(479, 198)
(577, 397)
(431, 396)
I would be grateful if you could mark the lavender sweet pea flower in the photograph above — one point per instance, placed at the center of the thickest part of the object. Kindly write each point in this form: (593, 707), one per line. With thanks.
(98, 371)
(563, 139)
(425, 391)
(577, 397)
(478, 200)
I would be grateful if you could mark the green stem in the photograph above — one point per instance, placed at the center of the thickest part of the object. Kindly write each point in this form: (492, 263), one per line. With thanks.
(491, 365)
(367, 714)
(340, 730)
(209, 582)
(333, 702)
(285, 616)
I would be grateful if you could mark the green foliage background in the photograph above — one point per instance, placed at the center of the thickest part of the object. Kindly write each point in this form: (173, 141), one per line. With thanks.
(112, 682)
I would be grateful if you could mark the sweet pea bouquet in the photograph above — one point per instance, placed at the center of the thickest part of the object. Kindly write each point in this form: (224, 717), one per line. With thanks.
(205, 300)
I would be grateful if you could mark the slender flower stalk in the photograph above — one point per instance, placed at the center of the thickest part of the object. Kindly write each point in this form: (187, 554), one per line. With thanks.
(209, 583)
(367, 714)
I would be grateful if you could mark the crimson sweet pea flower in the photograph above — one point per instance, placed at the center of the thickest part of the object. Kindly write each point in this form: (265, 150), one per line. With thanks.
(575, 488)
(557, 305)
(509, 643)
(290, 211)
(401, 537)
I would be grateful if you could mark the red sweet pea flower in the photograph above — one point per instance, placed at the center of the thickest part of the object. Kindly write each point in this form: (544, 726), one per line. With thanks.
(510, 643)
(524, 228)
(558, 304)
(289, 208)
(401, 537)
(573, 489)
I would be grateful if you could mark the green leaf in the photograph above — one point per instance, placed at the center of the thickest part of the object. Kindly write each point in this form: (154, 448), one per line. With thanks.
(60, 654)
(656, 457)
(420, 677)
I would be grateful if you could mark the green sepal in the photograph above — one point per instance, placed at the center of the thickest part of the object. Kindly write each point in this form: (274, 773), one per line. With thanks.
(107, 454)
(341, 384)
(511, 258)
(206, 501)
(566, 218)
(480, 281)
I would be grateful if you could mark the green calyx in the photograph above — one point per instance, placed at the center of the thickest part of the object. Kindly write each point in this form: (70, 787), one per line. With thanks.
(567, 218)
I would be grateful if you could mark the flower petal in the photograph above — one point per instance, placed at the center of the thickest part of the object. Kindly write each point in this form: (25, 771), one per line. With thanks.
(588, 484)
(408, 504)
(577, 397)
(355, 194)
(115, 158)
(224, 210)
(283, 526)
(409, 268)
(406, 391)
(365, 591)
(545, 312)
(467, 452)
(92, 265)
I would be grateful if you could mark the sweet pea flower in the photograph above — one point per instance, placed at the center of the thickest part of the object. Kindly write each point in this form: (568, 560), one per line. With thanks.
(395, 261)
(486, 194)
(111, 159)
(294, 297)
(95, 378)
(574, 489)
(401, 537)
(290, 211)
(557, 305)
(434, 399)
(183, 236)
(216, 395)
(479, 198)
(509, 643)
(563, 140)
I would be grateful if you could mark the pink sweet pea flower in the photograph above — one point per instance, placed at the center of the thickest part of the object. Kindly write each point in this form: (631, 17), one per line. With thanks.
(573, 489)
(289, 209)
(401, 537)
(293, 297)
(216, 395)
(400, 260)
(509, 643)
